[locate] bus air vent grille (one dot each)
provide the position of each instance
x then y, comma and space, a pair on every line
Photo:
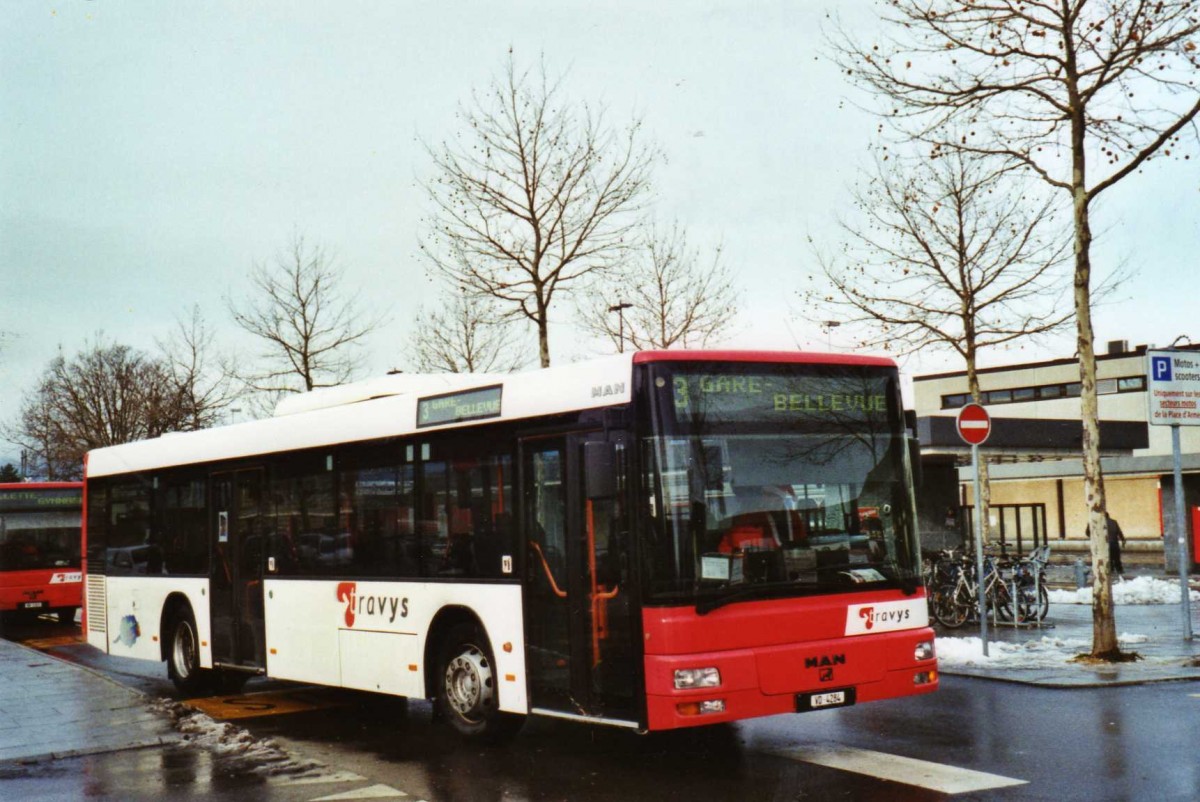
97, 604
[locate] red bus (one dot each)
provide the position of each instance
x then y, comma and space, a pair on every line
652, 541
40, 533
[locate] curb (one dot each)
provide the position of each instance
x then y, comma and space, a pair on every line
1065, 685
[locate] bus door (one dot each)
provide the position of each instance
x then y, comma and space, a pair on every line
579, 602
238, 637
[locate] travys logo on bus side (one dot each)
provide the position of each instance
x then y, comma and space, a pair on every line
370, 605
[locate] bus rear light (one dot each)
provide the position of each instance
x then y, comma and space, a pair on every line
924, 651
925, 677
701, 708
688, 678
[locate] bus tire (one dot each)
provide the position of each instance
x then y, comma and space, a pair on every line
467, 687
183, 655
66, 615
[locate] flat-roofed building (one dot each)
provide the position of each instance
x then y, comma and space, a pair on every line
1034, 457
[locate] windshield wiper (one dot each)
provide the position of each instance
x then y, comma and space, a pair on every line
750, 592
907, 579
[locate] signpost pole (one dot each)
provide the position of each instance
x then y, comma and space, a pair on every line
1173, 399
974, 427
983, 633
1181, 532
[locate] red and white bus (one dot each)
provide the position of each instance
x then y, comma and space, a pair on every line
40, 533
653, 541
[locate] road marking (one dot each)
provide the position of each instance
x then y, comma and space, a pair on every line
371, 792
318, 779
266, 703
907, 770
42, 644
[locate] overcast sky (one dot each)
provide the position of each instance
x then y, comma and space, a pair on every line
150, 153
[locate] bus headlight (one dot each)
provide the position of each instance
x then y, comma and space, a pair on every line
689, 678
924, 650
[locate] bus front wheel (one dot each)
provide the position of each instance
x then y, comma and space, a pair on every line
183, 658
467, 693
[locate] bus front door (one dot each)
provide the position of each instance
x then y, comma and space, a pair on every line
579, 605
238, 636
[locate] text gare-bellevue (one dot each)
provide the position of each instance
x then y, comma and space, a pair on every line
781, 401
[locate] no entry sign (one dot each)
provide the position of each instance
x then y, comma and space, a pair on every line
974, 424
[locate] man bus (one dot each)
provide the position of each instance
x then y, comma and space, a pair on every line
40, 535
570, 542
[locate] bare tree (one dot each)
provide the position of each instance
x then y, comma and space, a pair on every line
464, 335
105, 395
203, 381
677, 295
1080, 92
534, 195
952, 253
309, 332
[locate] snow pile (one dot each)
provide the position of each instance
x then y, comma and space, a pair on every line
1139, 590
1048, 652
263, 756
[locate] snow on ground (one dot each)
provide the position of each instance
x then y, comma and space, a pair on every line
262, 755
1047, 652
1139, 590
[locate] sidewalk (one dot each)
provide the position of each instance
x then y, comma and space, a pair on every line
1042, 656
50, 708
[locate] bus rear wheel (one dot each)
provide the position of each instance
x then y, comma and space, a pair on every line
467, 695
183, 657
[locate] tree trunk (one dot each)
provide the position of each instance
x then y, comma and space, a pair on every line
1104, 628
984, 502
543, 326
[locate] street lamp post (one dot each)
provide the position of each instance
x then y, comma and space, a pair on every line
830, 325
620, 308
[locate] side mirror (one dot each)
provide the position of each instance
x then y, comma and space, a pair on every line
600, 469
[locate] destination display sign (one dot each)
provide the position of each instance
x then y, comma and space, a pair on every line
44, 499
461, 406
759, 396
1173, 382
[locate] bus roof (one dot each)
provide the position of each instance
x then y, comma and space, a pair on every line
390, 406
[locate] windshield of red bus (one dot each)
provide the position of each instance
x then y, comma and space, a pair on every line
39, 527
775, 480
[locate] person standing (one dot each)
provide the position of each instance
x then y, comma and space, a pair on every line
1116, 539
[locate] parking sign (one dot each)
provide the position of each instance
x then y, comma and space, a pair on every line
1173, 388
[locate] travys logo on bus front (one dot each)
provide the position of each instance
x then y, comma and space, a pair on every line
375, 607
867, 619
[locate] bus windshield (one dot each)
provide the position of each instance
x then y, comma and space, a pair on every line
766, 481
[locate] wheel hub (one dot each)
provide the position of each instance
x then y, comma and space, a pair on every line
185, 651
469, 686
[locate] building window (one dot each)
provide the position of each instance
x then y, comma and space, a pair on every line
1052, 391
1131, 384
955, 401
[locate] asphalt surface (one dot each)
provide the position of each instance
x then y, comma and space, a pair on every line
51, 708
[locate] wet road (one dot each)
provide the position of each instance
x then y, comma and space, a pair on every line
975, 739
